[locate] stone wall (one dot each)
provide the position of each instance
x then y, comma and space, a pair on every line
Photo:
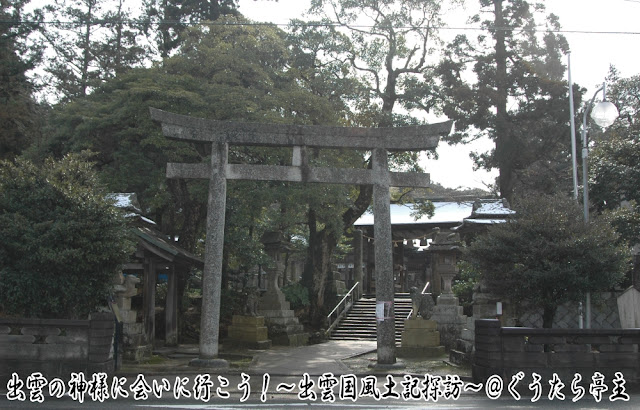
55, 347
506, 351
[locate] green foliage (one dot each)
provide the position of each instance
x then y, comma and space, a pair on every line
385, 46
547, 255
297, 295
518, 97
614, 166
61, 241
231, 303
626, 221
464, 283
168, 19
90, 43
225, 72
615, 170
17, 107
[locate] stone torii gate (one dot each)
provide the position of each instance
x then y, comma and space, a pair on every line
222, 133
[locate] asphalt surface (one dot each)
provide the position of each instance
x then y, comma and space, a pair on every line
335, 374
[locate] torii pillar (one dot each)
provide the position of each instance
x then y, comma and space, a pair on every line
212, 273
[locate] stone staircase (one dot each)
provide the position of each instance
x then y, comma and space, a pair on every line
360, 322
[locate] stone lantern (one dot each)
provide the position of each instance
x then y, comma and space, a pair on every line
284, 328
445, 249
275, 246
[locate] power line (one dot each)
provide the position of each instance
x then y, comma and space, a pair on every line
324, 24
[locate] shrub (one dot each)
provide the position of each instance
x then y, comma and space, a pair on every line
463, 285
547, 255
61, 241
297, 295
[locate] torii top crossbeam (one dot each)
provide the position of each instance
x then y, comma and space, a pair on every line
221, 134
413, 138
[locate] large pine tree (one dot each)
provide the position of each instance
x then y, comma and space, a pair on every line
89, 41
517, 95
168, 19
17, 108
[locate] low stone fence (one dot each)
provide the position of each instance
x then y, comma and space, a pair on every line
505, 351
56, 348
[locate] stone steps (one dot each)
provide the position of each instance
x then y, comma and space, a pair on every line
360, 321
459, 358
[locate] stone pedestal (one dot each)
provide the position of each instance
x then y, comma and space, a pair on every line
484, 305
420, 338
448, 314
462, 352
135, 347
445, 249
284, 328
249, 331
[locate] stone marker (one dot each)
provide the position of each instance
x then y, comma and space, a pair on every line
420, 337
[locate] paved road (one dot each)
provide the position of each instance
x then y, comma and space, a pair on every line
287, 386
285, 400
313, 359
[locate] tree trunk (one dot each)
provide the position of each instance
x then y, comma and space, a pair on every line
119, 69
86, 51
504, 141
317, 275
548, 314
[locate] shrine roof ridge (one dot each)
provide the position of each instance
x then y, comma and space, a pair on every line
411, 138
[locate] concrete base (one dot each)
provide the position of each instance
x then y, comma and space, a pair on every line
420, 351
137, 354
286, 339
419, 333
209, 363
284, 328
249, 331
395, 366
462, 353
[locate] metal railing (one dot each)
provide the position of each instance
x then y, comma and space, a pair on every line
423, 291
342, 307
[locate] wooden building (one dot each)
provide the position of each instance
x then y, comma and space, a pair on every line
413, 264
156, 256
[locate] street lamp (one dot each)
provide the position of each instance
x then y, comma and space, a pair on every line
604, 114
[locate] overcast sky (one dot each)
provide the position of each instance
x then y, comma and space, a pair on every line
600, 33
